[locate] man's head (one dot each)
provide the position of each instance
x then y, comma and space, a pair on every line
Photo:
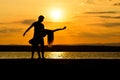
40, 18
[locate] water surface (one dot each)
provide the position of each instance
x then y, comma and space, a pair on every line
62, 55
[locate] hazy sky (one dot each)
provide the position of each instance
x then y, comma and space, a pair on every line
87, 21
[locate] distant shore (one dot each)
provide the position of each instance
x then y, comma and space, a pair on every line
65, 48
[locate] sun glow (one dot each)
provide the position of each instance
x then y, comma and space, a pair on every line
56, 15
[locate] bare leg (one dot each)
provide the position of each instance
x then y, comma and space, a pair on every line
32, 54
38, 50
33, 51
42, 45
34, 48
43, 53
38, 54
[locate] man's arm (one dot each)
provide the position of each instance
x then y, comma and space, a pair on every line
27, 30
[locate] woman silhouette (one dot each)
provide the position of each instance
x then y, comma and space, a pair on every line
39, 34
50, 34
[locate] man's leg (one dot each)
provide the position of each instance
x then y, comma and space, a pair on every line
33, 51
42, 45
34, 48
32, 54
38, 51
38, 55
37, 48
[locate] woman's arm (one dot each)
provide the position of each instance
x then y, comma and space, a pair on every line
59, 29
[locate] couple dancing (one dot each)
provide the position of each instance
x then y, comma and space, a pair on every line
39, 34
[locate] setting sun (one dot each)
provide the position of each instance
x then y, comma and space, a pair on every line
56, 15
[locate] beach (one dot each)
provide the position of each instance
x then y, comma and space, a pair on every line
82, 62
83, 55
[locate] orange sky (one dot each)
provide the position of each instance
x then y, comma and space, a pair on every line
87, 21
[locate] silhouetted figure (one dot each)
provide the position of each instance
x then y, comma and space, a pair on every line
39, 34
50, 35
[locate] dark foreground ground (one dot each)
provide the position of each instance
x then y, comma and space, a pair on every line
89, 62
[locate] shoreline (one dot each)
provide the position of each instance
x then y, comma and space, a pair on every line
65, 48
60, 61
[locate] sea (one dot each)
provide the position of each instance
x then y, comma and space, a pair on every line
62, 55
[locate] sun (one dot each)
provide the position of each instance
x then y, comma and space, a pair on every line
56, 15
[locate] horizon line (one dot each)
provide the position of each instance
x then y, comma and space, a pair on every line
63, 45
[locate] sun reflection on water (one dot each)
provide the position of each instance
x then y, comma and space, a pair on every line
56, 55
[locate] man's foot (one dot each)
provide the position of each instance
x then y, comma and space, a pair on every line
39, 58
43, 57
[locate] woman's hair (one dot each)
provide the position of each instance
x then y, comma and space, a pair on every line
50, 36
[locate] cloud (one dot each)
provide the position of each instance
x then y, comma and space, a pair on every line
1, 23
100, 35
96, 1
9, 30
107, 24
116, 4
117, 17
104, 12
87, 34
28, 21
90, 2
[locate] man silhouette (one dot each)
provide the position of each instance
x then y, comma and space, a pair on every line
37, 37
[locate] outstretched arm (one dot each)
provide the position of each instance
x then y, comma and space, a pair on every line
27, 30
59, 29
